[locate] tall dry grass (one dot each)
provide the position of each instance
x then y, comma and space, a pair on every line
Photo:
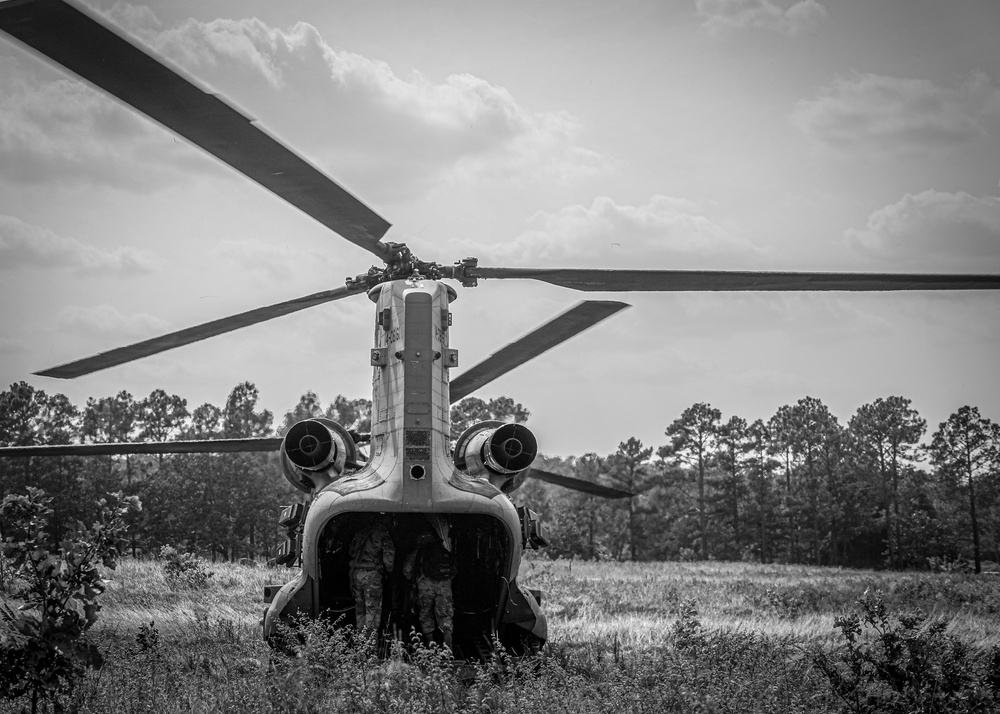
624, 637
639, 601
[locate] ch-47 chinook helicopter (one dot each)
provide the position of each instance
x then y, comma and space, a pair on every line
412, 474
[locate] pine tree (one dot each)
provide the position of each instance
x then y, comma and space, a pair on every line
966, 448
693, 439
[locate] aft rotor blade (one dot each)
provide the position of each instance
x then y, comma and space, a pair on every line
559, 329
84, 45
121, 355
711, 280
218, 446
578, 484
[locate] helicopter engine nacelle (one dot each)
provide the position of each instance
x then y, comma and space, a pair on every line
315, 452
497, 451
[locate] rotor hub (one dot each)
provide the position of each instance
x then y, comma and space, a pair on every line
402, 264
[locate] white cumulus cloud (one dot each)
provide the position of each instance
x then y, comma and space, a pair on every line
870, 113
664, 232
63, 131
720, 17
274, 262
354, 115
23, 245
934, 229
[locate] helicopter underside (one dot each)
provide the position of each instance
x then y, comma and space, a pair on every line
480, 549
489, 605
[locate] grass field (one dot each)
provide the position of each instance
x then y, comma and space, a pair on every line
653, 637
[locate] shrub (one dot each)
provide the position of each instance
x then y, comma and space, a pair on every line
907, 664
687, 630
945, 565
43, 650
7, 574
345, 670
184, 568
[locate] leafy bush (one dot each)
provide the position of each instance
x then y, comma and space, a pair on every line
7, 574
907, 664
687, 629
946, 565
43, 651
148, 638
184, 568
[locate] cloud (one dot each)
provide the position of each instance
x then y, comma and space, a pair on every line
774, 316
936, 229
274, 263
721, 17
664, 232
391, 136
357, 117
26, 246
63, 131
873, 114
106, 320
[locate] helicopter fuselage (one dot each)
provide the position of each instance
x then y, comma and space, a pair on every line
409, 475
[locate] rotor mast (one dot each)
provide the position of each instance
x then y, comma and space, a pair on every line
402, 264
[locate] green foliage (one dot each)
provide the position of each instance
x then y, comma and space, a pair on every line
580, 525
886, 433
161, 416
687, 630
958, 589
344, 670
353, 414
109, 419
907, 663
966, 449
473, 410
693, 439
148, 638
43, 650
240, 417
947, 565
214, 668
20, 414
797, 488
791, 601
184, 568
629, 469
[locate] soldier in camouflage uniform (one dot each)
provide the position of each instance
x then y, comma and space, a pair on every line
372, 555
431, 566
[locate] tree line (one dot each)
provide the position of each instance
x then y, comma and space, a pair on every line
798, 488
218, 504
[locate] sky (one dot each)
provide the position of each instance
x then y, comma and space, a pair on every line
705, 134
